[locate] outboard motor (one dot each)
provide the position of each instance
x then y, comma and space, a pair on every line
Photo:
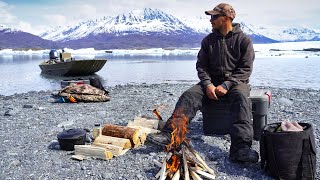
54, 54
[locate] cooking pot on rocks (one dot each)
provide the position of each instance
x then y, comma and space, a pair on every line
68, 138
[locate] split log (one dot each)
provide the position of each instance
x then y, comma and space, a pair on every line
143, 138
176, 175
194, 175
116, 150
185, 163
79, 157
163, 173
206, 167
92, 151
204, 174
148, 123
157, 163
121, 132
121, 142
146, 130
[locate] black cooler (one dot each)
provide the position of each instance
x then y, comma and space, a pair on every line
218, 116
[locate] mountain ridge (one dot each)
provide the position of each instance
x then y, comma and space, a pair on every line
148, 27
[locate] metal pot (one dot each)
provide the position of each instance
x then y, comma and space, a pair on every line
68, 138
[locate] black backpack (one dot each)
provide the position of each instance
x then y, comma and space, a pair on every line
288, 155
95, 82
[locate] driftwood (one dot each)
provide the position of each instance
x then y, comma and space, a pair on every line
122, 132
92, 151
121, 142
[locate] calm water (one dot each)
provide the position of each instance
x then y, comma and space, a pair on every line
21, 73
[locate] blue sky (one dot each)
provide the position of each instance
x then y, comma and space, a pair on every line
37, 15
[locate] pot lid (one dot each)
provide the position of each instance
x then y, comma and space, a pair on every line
71, 134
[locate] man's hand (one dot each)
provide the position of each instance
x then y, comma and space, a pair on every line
220, 91
211, 92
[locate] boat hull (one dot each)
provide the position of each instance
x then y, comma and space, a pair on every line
73, 68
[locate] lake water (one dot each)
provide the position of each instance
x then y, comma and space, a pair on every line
21, 73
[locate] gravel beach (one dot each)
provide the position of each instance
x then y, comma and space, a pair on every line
31, 121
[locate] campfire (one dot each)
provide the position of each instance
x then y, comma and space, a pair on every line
182, 161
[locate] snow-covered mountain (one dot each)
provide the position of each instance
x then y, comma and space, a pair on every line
153, 21
148, 27
13, 38
142, 22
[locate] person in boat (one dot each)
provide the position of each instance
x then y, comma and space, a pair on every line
224, 65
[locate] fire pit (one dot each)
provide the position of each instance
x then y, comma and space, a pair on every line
182, 161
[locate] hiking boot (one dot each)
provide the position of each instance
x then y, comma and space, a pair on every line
244, 154
161, 138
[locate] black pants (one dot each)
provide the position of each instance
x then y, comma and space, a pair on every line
241, 132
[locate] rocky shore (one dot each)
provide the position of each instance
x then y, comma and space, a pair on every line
30, 122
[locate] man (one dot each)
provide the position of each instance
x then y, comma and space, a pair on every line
224, 66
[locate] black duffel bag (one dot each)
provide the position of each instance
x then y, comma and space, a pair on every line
287, 154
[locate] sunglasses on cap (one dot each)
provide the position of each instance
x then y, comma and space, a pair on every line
214, 17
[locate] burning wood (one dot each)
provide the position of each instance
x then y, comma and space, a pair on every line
156, 112
182, 160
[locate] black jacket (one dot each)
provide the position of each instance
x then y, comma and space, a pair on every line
226, 59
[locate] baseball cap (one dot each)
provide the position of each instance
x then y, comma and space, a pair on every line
223, 9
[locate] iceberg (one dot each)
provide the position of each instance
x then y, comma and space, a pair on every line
284, 49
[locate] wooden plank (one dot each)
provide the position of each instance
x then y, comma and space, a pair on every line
92, 151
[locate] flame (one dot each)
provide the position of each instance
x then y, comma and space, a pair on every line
174, 165
179, 124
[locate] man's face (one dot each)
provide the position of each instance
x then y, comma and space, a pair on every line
217, 21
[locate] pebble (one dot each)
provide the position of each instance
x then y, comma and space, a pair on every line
31, 133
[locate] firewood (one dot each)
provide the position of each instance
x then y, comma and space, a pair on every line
157, 163
79, 157
185, 163
148, 123
194, 175
143, 138
163, 173
137, 144
204, 174
121, 142
157, 113
116, 150
191, 157
206, 167
158, 174
146, 130
121, 132
92, 151
176, 175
